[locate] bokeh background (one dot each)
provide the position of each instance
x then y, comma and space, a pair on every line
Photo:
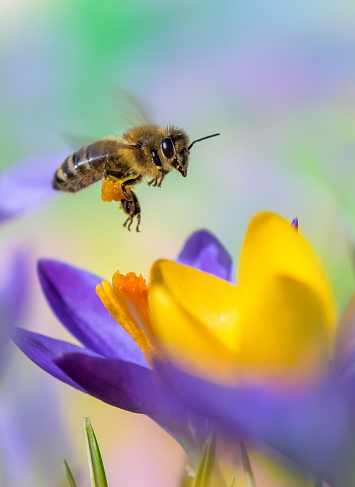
277, 79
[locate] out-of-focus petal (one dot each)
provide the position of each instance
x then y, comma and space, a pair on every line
134, 388
203, 251
273, 247
345, 339
42, 350
312, 427
71, 294
14, 289
26, 185
33, 433
195, 317
122, 384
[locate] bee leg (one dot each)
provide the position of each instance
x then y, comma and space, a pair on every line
138, 222
159, 179
161, 176
129, 221
130, 182
115, 175
132, 208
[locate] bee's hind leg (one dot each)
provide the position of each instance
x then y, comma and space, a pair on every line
113, 175
132, 208
128, 194
129, 221
138, 222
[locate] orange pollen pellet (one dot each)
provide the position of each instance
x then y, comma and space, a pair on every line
111, 190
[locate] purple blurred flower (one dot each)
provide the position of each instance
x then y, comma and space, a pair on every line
110, 366
27, 184
314, 428
13, 300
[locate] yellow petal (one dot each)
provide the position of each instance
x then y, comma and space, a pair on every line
284, 330
194, 317
273, 248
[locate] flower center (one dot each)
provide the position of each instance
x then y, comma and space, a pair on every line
133, 287
127, 301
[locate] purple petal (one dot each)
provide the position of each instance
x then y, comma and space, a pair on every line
312, 428
131, 387
122, 384
27, 184
42, 350
71, 294
204, 252
14, 291
345, 339
13, 299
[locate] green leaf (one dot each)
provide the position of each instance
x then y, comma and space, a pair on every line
318, 483
247, 467
69, 475
97, 471
205, 468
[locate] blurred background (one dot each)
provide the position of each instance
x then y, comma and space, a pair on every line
276, 79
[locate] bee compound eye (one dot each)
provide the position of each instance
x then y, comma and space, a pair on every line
167, 147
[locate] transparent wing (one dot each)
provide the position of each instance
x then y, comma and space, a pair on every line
131, 111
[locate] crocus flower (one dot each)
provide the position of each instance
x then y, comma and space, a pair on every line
263, 360
110, 365
254, 358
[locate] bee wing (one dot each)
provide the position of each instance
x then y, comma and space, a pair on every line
75, 141
131, 110
121, 143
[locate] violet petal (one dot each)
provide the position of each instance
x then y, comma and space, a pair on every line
71, 294
203, 251
27, 184
133, 388
122, 384
42, 350
312, 428
13, 299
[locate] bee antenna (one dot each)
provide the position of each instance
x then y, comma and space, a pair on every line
203, 138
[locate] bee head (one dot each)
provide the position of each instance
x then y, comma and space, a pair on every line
176, 149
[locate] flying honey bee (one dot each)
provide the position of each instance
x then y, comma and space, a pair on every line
145, 151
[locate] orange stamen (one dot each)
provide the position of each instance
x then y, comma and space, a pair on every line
134, 287
127, 302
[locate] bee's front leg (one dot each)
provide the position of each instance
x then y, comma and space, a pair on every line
161, 176
152, 182
159, 179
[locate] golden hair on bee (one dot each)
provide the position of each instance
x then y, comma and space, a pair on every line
145, 151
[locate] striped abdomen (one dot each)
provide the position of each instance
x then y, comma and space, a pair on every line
84, 167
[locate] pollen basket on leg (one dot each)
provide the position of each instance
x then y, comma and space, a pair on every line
126, 310
111, 190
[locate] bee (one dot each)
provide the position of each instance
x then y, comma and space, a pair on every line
144, 151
